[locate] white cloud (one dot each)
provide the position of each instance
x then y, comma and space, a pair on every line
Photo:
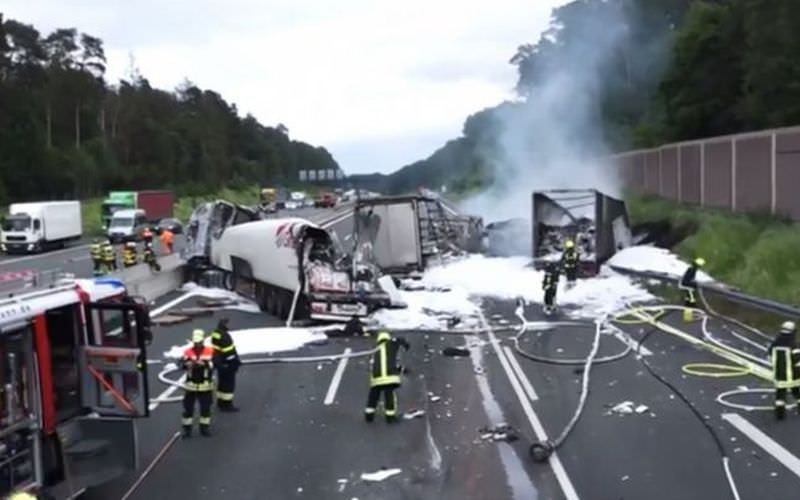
336, 73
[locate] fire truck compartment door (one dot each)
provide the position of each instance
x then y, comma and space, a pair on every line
113, 363
98, 449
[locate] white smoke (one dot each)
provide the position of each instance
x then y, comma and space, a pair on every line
552, 138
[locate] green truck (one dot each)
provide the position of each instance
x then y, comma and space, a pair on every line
157, 205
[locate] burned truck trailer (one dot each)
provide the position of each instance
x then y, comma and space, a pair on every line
401, 235
291, 267
596, 222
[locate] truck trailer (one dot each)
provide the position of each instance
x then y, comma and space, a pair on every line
596, 222
157, 205
74, 383
290, 266
33, 227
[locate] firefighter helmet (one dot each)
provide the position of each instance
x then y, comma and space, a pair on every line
699, 262
198, 336
788, 327
569, 244
22, 495
130, 244
383, 337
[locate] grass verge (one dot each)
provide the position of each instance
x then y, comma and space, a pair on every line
756, 253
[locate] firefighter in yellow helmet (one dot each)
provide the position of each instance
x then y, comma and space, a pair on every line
785, 356
385, 376
129, 257
96, 253
109, 257
569, 262
689, 286
199, 385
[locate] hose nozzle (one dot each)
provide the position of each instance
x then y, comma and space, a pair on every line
540, 452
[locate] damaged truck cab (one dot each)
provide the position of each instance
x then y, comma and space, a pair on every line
291, 267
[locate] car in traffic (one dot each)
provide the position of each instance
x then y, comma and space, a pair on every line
174, 225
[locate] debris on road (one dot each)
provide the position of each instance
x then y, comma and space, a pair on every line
500, 432
433, 398
455, 352
627, 408
379, 475
411, 414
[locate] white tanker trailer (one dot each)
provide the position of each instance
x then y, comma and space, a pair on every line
289, 266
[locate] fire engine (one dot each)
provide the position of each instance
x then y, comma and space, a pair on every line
73, 381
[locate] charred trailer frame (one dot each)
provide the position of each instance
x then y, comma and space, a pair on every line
404, 233
598, 223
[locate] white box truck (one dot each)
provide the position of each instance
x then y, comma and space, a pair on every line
37, 226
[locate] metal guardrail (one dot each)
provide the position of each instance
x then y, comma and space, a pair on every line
712, 289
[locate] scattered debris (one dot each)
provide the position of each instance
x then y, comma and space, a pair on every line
500, 432
379, 475
628, 408
455, 351
625, 478
169, 319
413, 414
773, 474
641, 409
433, 398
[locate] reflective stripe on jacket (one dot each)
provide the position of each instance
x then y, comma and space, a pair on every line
199, 369
384, 368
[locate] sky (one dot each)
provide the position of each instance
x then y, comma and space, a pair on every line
379, 83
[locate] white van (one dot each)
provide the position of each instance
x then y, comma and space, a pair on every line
127, 225
33, 227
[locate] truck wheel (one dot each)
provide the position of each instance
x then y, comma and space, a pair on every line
229, 281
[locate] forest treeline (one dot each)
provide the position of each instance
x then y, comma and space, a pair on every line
679, 69
66, 132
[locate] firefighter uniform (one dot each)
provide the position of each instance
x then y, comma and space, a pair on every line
197, 360
147, 235
569, 262
550, 286
226, 362
385, 376
785, 357
129, 257
109, 257
96, 252
689, 286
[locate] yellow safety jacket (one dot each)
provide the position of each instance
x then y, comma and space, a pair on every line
783, 369
199, 369
108, 253
129, 257
96, 251
384, 369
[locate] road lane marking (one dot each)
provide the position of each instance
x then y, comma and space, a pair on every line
554, 460
332, 222
42, 255
337, 378
526, 384
768, 444
154, 403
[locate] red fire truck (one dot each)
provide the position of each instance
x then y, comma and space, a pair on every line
73, 380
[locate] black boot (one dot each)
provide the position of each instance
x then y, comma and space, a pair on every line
369, 417
205, 431
187, 431
227, 406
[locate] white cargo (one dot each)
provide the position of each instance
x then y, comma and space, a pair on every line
32, 227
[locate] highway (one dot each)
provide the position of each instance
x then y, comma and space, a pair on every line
301, 432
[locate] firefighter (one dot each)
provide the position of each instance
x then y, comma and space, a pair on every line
550, 287
198, 363
96, 252
689, 286
227, 363
109, 257
385, 376
129, 257
785, 356
150, 257
569, 262
147, 235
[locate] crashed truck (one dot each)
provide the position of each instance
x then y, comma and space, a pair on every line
404, 235
596, 222
291, 267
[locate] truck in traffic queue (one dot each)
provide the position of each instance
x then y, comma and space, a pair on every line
289, 266
73, 383
268, 199
325, 200
127, 225
156, 204
37, 226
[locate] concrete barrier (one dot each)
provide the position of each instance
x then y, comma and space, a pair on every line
142, 281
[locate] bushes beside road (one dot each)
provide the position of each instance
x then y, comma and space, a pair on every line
758, 254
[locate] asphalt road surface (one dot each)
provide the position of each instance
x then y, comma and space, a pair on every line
301, 432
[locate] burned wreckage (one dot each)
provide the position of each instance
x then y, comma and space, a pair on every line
595, 222
296, 269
